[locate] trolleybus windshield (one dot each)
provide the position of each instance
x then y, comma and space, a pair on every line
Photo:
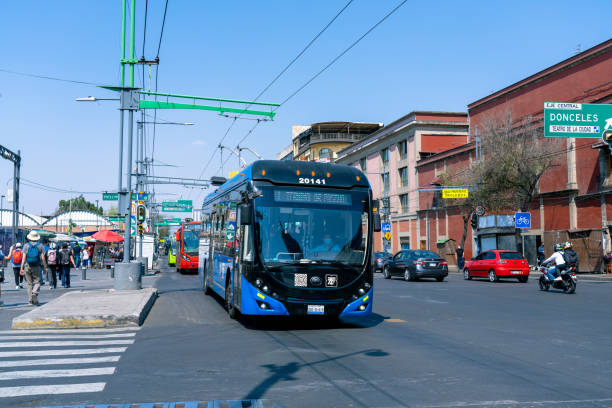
311, 225
191, 239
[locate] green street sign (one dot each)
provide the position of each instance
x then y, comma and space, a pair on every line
576, 119
167, 223
134, 196
116, 219
188, 203
176, 209
110, 196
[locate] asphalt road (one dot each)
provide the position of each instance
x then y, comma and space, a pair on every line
451, 344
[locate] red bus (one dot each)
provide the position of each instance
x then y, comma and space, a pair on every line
187, 247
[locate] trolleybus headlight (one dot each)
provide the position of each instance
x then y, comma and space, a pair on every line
258, 282
362, 307
266, 289
263, 305
367, 285
361, 291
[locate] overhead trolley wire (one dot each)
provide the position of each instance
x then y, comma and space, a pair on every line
274, 81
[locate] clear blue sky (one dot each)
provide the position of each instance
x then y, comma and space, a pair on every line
427, 56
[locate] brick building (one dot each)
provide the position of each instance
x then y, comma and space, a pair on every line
575, 196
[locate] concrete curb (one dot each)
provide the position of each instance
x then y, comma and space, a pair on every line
91, 309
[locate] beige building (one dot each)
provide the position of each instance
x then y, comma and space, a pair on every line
322, 141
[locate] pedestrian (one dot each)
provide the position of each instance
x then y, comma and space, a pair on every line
15, 255
76, 253
460, 260
66, 258
541, 254
33, 257
45, 245
53, 266
85, 257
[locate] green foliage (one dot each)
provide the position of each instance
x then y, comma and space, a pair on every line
77, 203
113, 211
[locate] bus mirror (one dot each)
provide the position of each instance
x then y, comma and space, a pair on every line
377, 224
246, 214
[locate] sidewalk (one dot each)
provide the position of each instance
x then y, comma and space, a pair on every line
596, 277
88, 303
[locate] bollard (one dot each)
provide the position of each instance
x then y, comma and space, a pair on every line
112, 271
83, 274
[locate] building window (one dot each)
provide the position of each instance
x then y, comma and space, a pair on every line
403, 176
402, 147
404, 203
385, 183
325, 154
363, 163
384, 156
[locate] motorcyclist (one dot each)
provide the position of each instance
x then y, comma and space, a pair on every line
570, 256
554, 271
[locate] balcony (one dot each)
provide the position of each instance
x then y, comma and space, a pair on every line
314, 138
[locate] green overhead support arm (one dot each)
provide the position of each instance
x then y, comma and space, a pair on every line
146, 104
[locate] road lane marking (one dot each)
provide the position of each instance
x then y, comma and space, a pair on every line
395, 321
65, 343
67, 336
75, 372
59, 361
82, 331
67, 352
51, 389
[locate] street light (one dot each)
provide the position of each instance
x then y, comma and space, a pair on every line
94, 99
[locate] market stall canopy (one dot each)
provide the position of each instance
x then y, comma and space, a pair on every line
44, 234
64, 238
107, 236
89, 240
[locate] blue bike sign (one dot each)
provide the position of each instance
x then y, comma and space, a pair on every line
522, 220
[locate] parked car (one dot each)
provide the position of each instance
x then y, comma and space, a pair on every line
495, 264
380, 258
412, 264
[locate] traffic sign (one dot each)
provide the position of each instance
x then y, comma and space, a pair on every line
176, 209
576, 119
479, 210
386, 226
116, 219
522, 220
388, 236
110, 196
454, 193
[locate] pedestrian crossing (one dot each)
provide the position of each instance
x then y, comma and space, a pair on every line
45, 362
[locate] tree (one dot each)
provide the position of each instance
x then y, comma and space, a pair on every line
112, 211
515, 157
78, 203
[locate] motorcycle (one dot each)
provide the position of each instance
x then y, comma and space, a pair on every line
567, 283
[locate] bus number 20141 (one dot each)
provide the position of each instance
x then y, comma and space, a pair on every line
305, 180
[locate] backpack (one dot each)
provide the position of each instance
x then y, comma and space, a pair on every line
52, 257
570, 257
33, 254
17, 256
65, 256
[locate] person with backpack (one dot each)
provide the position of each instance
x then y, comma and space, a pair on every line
65, 259
33, 257
53, 266
15, 255
76, 253
570, 256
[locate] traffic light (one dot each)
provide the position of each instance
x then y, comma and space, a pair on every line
474, 221
188, 219
141, 214
607, 137
140, 229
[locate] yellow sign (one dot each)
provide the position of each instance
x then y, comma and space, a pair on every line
388, 236
233, 173
454, 193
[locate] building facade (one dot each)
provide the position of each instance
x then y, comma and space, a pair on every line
389, 157
322, 141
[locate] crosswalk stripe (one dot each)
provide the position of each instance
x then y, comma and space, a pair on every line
51, 389
59, 361
76, 372
68, 336
65, 352
84, 331
65, 343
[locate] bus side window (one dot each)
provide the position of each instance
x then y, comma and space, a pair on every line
247, 244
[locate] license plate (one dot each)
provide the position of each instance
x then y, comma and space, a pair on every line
316, 309
515, 272
432, 264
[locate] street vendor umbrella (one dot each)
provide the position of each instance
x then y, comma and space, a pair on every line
44, 234
89, 240
63, 238
107, 236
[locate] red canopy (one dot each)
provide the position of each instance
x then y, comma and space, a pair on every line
107, 236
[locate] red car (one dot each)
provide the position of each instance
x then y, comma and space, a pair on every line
497, 264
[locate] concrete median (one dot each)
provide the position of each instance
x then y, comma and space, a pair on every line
92, 308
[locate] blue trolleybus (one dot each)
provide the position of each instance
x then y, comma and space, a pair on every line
290, 238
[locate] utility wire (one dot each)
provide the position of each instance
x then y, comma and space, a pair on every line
273, 81
8, 71
161, 34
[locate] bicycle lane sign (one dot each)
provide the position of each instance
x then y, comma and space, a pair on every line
522, 220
